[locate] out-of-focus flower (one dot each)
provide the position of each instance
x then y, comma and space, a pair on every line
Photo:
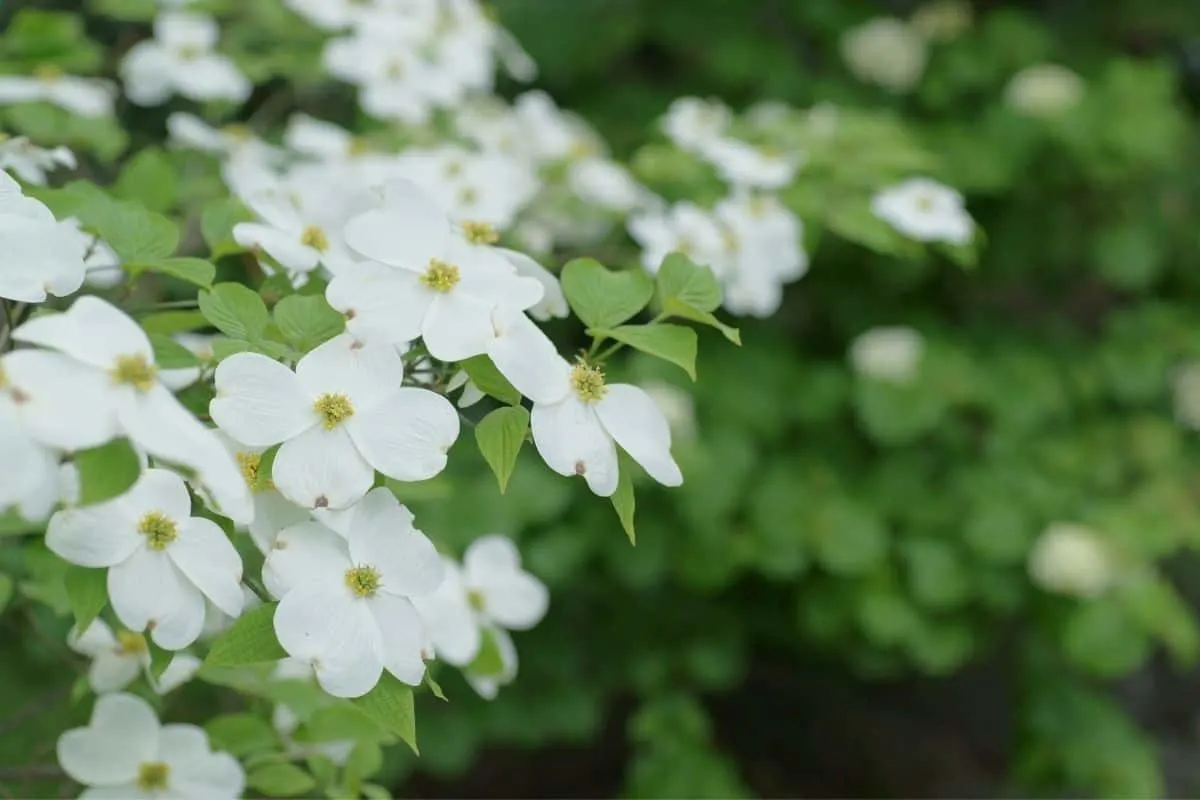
942, 20
1043, 90
925, 210
1071, 559
888, 354
887, 52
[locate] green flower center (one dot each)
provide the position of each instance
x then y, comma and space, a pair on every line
588, 382
152, 776
315, 238
130, 643
924, 203
363, 580
189, 52
475, 599
440, 276
159, 529
135, 370
335, 408
480, 233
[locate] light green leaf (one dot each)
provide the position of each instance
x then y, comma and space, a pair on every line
343, 721
307, 321
169, 322
489, 662
603, 298
241, 734
623, 500
196, 271
106, 471
684, 282
434, 687
134, 10
250, 640
280, 780
216, 225
487, 378
170, 354
149, 179
87, 591
390, 704
224, 348
235, 310
673, 343
13, 524
136, 234
365, 760
501, 435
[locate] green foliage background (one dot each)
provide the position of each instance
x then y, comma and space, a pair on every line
829, 524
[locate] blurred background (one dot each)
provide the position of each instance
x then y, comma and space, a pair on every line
977, 581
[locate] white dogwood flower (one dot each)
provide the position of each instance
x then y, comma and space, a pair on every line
693, 123
35, 260
272, 511
87, 97
181, 59
743, 165
925, 210
162, 562
345, 605
578, 419
686, 228
890, 354
887, 52
30, 162
118, 658
429, 282
125, 753
1073, 560
340, 416
108, 348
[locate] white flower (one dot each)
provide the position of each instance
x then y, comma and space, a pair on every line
1043, 90
125, 753
764, 238
1071, 559
550, 133
1186, 386
744, 166
925, 210
36, 259
188, 130
183, 668
942, 20
693, 123
340, 416
345, 604
272, 511
479, 187
605, 183
162, 562
321, 139
87, 97
489, 591
888, 354
101, 261
887, 52
181, 59
578, 420
107, 350
431, 282
117, 660
676, 405
30, 162
332, 15
686, 228
553, 303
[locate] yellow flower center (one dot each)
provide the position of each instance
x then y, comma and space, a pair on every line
359, 146
250, 463
363, 580
588, 382
159, 530
453, 169
135, 370
475, 599
239, 133
480, 233
3, 377
130, 643
440, 276
152, 776
335, 408
189, 52
924, 203
48, 73
315, 238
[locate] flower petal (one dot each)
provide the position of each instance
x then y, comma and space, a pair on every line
64, 404
179, 671
457, 326
336, 633
158, 490
122, 734
148, 591
406, 232
308, 554
113, 671
449, 619
380, 303
259, 401
407, 436
96, 638
283, 246
513, 598
91, 330
527, 357
206, 556
364, 373
272, 513
382, 535
571, 441
632, 418
102, 535
402, 635
322, 469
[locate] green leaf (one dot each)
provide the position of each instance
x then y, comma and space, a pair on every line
196, 271
241, 734
13, 524
6, 593
250, 640
216, 225
487, 378
280, 780
266, 463
343, 721
489, 662
235, 310
365, 760
623, 500
684, 282
601, 297
106, 471
434, 687
136, 234
148, 178
501, 435
160, 659
87, 591
170, 354
169, 322
307, 321
390, 704
673, 343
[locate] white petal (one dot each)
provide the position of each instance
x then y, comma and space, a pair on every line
407, 232
122, 734
113, 671
633, 419
553, 302
37, 261
102, 535
527, 358
364, 373
158, 423
206, 556
97, 638
272, 513
406, 437
322, 469
283, 246
402, 635
383, 536
449, 620
182, 669
216, 775
571, 441
158, 490
308, 554
381, 303
259, 401
92, 331
124, 791
457, 326
212, 77
65, 404
148, 590
337, 634
513, 598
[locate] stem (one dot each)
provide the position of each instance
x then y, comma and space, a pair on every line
260, 591
12, 318
168, 306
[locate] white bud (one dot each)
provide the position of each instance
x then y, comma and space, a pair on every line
888, 354
885, 51
1043, 90
1071, 559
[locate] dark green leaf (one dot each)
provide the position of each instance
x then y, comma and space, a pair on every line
390, 704
241, 734
170, 354
235, 310
216, 225
169, 322
307, 320
148, 178
623, 500
87, 590
684, 282
196, 271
